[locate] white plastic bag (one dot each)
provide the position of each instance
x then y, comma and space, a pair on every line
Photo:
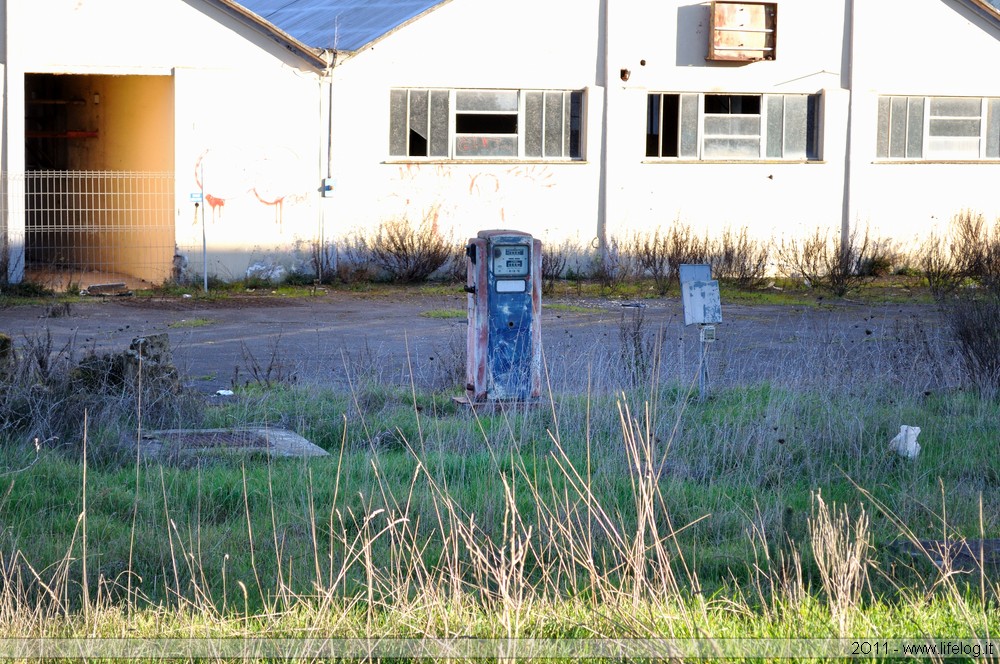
905, 443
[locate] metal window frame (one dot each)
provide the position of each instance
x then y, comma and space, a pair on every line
566, 104
761, 134
701, 134
982, 118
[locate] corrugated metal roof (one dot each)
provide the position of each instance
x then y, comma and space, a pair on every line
341, 25
988, 8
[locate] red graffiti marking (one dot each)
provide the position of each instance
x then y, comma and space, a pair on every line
474, 182
278, 203
540, 175
215, 203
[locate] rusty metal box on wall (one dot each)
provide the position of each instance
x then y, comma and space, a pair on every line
743, 31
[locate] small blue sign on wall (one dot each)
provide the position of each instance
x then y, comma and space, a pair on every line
195, 196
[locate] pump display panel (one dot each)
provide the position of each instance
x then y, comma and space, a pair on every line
510, 260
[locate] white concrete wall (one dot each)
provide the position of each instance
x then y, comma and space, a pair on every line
896, 49
925, 48
517, 44
771, 198
250, 119
561, 45
246, 112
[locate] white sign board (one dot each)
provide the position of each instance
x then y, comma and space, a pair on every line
695, 273
702, 305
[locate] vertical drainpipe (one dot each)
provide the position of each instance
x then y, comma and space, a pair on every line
12, 235
327, 167
847, 78
602, 195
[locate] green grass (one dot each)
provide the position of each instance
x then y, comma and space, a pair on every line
642, 513
238, 537
570, 308
444, 313
190, 322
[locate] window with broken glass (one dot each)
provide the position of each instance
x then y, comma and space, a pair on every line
938, 128
704, 126
486, 124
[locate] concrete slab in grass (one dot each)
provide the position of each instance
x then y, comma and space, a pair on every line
170, 444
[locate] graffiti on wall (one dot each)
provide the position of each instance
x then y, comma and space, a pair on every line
266, 176
447, 191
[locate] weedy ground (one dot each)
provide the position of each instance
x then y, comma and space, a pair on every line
625, 507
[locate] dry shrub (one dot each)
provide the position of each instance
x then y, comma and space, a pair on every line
404, 252
685, 248
554, 261
975, 321
639, 353
323, 258
45, 390
617, 265
937, 265
973, 313
456, 268
661, 254
969, 252
355, 262
827, 262
739, 259
962, 269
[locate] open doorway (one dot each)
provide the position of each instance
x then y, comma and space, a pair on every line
99, 179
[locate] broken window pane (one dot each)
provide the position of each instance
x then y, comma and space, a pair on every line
419, 129
732, 104
485, 123
653, 125
575, 125
813, 128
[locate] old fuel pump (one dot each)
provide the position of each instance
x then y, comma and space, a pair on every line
504, 283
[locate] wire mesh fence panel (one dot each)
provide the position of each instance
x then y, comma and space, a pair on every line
103, 225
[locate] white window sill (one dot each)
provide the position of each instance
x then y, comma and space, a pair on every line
439, 161
734, 161
881, 162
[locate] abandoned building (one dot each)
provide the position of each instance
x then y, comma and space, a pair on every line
148, 139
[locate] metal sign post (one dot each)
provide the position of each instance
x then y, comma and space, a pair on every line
702, 307
204, 239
